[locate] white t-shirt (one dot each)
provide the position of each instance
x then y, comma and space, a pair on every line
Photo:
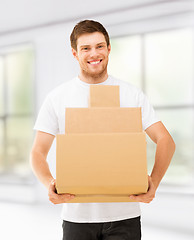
51, 119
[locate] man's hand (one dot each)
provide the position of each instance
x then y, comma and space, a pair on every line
146, 197
58, 198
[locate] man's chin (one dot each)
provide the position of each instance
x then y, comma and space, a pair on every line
95, 74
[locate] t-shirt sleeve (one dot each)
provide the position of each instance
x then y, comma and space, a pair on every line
148, 114
47, 118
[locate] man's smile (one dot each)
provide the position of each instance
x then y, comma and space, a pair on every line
95, 62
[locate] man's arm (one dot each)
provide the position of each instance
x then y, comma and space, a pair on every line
38, 156
164, 153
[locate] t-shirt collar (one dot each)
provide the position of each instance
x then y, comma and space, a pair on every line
82, 83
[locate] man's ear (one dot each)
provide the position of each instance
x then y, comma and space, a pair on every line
109, 48
74, 52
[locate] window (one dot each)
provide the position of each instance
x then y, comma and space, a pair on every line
16, 110
125, 59
164, 64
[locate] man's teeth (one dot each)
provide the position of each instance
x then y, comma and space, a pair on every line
96, 62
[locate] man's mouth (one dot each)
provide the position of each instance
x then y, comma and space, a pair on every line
95, 62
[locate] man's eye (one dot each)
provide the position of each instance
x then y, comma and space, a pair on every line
100, 46
85, 49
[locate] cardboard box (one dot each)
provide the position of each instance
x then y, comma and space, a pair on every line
100, 199
103, 120
104, 96
102, 156
101, 167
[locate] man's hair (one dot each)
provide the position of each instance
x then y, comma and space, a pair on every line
87, 26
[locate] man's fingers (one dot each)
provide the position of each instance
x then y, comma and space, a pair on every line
137, 198
68, 197
58, 198
141, 198
146, 197
61, 198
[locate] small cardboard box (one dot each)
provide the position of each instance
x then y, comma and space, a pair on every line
103, 120
104, 96
104, 167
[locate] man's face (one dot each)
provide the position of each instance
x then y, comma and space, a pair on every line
92, 54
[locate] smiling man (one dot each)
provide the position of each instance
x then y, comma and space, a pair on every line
92, 54
96, 221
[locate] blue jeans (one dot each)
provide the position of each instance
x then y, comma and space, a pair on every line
129, 229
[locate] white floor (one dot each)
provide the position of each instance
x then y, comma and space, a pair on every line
42, 222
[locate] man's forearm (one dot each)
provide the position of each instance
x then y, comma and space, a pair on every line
40, 168
164, 152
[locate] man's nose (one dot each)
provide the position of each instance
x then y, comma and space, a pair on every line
93, 52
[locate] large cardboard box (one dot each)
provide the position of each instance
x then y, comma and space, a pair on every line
104, 96
104, 167
103, 120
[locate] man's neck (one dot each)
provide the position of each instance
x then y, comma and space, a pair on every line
93, 79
